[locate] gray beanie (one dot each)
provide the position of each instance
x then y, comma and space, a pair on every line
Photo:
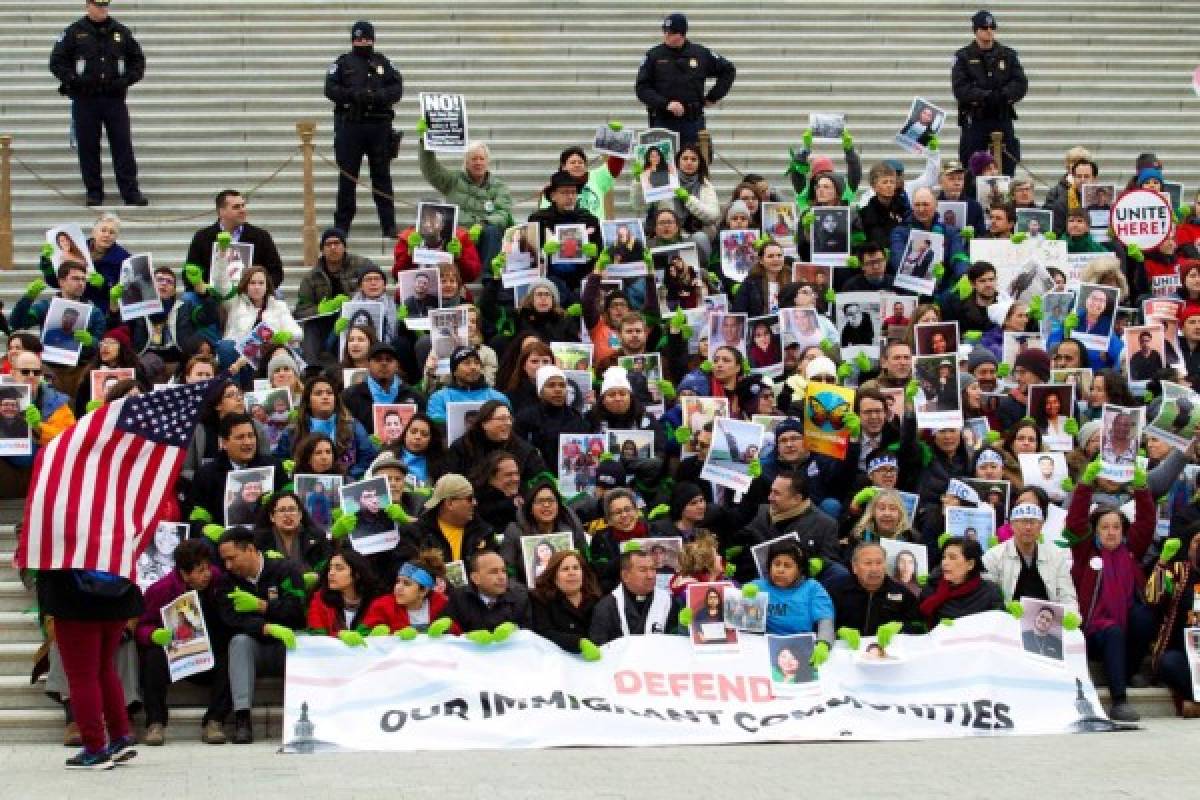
737, 207
980, 356
282, 358
542, 283
1088, 430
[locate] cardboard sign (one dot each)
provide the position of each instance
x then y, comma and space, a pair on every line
446, 116
1141, 217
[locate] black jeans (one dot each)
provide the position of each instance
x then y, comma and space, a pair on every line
352, 141
90, 115
156, 680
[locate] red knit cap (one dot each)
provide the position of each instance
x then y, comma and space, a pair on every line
120, 335
820, 164
1188, 309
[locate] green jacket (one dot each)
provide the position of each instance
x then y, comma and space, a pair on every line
489, 204
1085, 244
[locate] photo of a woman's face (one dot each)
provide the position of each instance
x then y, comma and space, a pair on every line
906, 567
1096, 303
762, 336
787, 662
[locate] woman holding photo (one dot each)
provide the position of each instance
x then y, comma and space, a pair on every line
807, 295
254, 304
563, 599
541, 513
321, 411
698, 211
1107, 551
799, 604
360, 339
492, 432
114, 352
759, 294
421, 448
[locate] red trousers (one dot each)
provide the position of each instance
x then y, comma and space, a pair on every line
97, 699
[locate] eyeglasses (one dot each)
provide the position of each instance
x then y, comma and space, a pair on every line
29, 371
283, 510
623, 512
545, 501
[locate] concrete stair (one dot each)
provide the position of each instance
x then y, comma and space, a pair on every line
227, 81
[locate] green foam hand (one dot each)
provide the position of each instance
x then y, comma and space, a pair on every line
827, 345
454, 248
1135, 253
481, 638
1091, 472
283, 634
939, 271
853, 262
401, 312
1070, 323
808, 219
683, 434
1169, 550
853, 424
603, 261
910, 390
816, 566
963, 288
503, 631
1071, 427
1015, 609
730, 570
575, 310
352, 639
667, 389
750, 591
682, 195
344, 525
192, 273
991, 437
864, 496
95, 279
706, 366
1141, 478
474, 232
243, 601
84, 338
945, 537
968, 232
379, 630
415, 239
282, 337
590, 250
615, 125
47, 251
885, 633
498, 265
589, 651
1050, 236
376, 440
1035, 308
341, 325
850, 636
820, 654
212, 532
550, 248
273, 554
807, 138
92, 405
1018, 237
224, 239
311, 579
685, 617
1067, 485
754, 468
847, 140
1003, 371
1072, 621
934, 143
844, 369
407, 634
161, 637
422, 127
35, 287
946, 623
862, 362
439, 627
396, 513
972, 336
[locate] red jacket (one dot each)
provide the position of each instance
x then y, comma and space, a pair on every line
1137, 541
467, 261
324, 617
386, 611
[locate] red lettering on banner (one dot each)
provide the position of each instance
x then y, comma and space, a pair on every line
655, 684
698, 685
627, 682
703, 685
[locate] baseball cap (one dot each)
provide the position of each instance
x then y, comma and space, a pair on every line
675, 23
450, 486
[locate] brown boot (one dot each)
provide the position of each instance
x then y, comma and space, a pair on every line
71, 736
214, 733
156, 735
1190, 710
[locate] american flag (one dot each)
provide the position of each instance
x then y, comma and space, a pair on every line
98, 488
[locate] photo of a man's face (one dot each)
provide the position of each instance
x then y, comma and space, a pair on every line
1043, 623
70, 318
369, 501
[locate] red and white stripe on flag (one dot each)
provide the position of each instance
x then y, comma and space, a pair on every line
98, 488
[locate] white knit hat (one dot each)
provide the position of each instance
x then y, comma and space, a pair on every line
615, 378
545, 373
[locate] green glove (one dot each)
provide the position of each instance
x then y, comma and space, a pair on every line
95, 279
991, 437
352, 639
754, 468
603, 261
1168, 584
590, 250
344, 525
938, 271
422, 126
341, 325
550, 248
922, 580
1170, 548
1070, 323
415, 239
750, 591
862, 362
193, 273
730, 571
480, 637
947, 623
589, 651
682, 195
115, 293
850, 636
808, 219
847, 140
1014, 608
275, 555
1091, 471
1035, 308
35, 287
439, 627
815, 566
498, 265
844, 370
660, 510
503, 631
910, 389
886, 632
706, 366
972, 336
963, 287
47, 251
808, 138
685, 617
282, 337
636, 168
200, 515
575, 310
281, 633
968, 232
161, 637
1071, 426
615, 125
683, 434
827, 345
1004, 370
852, 262
853, 424
820, 654
212, 532
865, 496
1017, 238
84, 338
1050, 236
376, 440
311, 579
401, 312
1067, 484
1135, 253
1140, 478
224, 239
407, 634
667, 389
243, 601
474, 232
454, 248
934, 143
396, 513
942, 539
1072, 621
380, 630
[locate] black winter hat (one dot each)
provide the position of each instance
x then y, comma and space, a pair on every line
362, 30
683, 493
983, 19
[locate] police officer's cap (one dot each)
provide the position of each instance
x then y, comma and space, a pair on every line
362, 30
983, 19
675, 23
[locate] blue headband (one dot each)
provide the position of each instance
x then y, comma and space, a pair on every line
417, 575
879, 462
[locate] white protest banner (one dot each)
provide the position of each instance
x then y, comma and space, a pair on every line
972, 679
1022, 269
1142, 217
446, 117
189, 650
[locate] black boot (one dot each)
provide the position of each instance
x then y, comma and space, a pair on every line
243, 728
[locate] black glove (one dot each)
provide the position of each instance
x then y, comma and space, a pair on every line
997, 101
364, 98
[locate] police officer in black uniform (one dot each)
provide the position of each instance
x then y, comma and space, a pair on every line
988, 82
364, 86
96, 60
670, 82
